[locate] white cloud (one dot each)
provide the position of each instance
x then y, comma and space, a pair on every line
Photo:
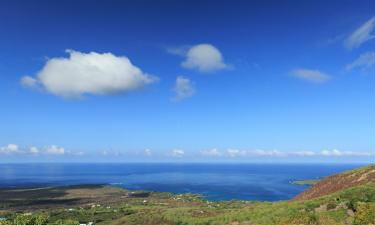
339, 153
147, 152
55, 150
89, 73
34, 150
304, 153
9, 149
243, 154
235, 153
211, 152
364, 61
178, 153
361, 35
183, 88
28, 81
254, 153
314, 76
13, 149
202, 57
272, 153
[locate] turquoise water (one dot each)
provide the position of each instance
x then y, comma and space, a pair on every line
215, 181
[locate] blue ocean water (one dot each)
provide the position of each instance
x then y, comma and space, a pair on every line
268, 182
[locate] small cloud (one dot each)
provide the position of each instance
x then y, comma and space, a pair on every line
211, 152
304, 153
104, 153
180, 51
205, 58
235, 153
29, 82
89, 73
77, 153
55, 150
183, 88
111, 153
177, 153
34, 150
147, 152
9, 149
314, 76
364, 61
361, 35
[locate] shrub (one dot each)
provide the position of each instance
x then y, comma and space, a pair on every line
365, 214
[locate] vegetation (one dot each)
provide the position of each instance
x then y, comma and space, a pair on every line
304, 182
355, 205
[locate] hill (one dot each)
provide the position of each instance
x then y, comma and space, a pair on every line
339, 182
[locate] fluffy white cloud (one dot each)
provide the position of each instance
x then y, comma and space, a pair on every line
361, 35
211, 152
55, 150
364, 61
183, 88
9, 149
314, 76
89, 73
178, 153
202, 57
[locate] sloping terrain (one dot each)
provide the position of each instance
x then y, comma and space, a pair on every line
339, 182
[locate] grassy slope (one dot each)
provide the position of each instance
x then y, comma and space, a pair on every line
353, 205
339, 182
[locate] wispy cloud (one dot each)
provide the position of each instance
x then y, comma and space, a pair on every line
180, 51
364, 61
211, 152
237, 153
361, 35
147, 152
177, 153
314, 76
183, 88
14, 149
88, 73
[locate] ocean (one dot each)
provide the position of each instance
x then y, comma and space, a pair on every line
264, 182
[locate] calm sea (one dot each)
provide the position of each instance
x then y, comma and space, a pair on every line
215, 181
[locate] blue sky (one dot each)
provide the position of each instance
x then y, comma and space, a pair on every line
187, 80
